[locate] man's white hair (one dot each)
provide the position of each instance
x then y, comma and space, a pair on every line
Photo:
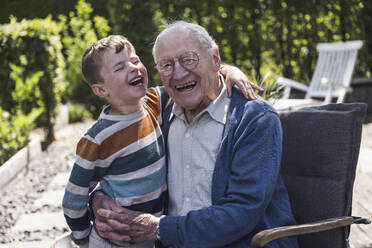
196, 30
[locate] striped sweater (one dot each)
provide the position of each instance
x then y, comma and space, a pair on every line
125, 155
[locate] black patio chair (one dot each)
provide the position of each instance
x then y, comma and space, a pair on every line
320, 153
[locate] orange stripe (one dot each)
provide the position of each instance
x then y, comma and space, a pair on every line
87, 149
127, 136
153, 101
92, 151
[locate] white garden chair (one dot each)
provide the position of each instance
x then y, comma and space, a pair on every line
331, 78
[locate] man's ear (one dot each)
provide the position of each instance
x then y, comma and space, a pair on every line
99, 90
216, 59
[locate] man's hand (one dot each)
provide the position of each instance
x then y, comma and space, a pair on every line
142, 227
122, 226
234, 76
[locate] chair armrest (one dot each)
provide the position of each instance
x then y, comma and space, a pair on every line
291, 83
325, 81
262, 238
288, 84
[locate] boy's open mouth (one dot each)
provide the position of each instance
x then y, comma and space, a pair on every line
136, 81
186, 86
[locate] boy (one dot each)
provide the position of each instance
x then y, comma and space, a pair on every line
124, 149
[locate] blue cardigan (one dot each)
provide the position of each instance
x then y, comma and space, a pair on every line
248, 194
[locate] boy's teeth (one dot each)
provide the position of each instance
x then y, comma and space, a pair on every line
136, 82
191, 83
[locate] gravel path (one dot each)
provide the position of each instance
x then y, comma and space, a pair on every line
18, 197
367, 136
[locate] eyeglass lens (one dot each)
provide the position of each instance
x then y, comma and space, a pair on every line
188, 60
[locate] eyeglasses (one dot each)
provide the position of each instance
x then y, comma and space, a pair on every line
188, 60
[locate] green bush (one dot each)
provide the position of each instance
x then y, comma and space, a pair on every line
77, 113
33, 73
80, 30
14, 132
31, 70
272, 90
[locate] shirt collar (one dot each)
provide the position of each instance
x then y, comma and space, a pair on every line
217, 109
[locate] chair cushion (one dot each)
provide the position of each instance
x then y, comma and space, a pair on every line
320, 153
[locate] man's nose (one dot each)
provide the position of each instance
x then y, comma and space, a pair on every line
179, 71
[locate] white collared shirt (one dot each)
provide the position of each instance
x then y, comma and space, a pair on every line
193, 149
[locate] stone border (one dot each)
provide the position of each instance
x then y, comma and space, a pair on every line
19, 161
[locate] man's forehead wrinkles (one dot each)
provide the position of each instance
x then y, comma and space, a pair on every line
178, 40
166, 54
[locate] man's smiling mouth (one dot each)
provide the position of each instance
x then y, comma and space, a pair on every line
136, 81
186, 86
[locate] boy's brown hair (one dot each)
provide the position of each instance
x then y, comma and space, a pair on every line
92, 59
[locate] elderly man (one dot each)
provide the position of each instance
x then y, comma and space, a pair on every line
223, 157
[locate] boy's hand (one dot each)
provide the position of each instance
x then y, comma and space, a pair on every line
142, 226
234, 76
111, 224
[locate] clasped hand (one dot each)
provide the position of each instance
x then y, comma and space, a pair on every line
122, 226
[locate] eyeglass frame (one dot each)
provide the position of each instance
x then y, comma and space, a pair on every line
166, 73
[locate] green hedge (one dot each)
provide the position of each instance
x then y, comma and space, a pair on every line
40, 66
79, 30
31, 69
14, 132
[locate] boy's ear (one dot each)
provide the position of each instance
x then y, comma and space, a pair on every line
99, 90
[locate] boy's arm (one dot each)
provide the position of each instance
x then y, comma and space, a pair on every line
75, 210
234, 76
75, 199
158, 99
